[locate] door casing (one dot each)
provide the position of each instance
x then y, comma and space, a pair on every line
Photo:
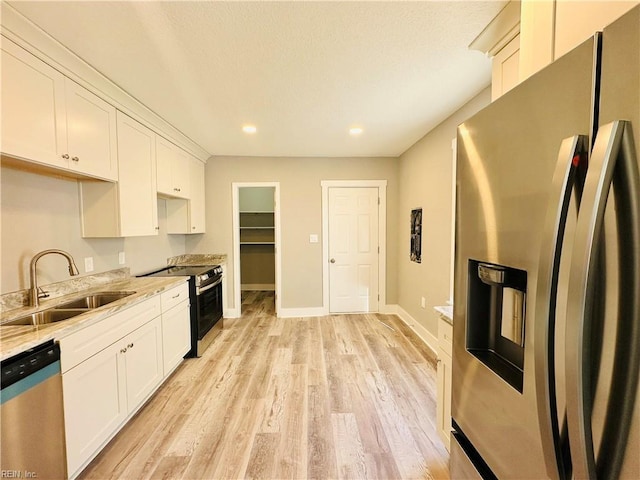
381, 185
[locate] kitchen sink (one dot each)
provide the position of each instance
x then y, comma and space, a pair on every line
69, 309
47, 316
94, 300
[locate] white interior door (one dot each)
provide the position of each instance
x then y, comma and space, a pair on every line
353, 249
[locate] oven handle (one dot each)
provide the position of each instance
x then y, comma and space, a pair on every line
209, 287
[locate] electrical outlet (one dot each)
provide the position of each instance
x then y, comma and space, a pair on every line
121, 258
88, 264
423, 302
313, 238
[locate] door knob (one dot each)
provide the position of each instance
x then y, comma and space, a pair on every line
333, 260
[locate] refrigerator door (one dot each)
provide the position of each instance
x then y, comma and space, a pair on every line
603, 313
507, 157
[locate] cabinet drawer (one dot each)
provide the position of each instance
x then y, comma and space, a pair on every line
81, 345
445, 336
173, 297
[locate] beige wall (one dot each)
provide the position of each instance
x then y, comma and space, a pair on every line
301, 215
41, 212
425, 178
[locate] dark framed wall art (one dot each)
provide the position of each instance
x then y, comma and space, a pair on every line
416, 235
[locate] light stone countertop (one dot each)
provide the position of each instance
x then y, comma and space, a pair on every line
446, 312
18, 338
198, 259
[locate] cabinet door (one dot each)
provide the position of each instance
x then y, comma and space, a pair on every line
173, 169
91, 133
444, 397
176, 336
95, 404
142, 352
196, 205
33, 108
137, 194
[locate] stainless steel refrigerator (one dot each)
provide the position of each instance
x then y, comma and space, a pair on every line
546, 348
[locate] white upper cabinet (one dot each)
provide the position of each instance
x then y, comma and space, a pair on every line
196, 206
50, 120
551, 28
187, 216
129, 207
575, 21
91, 133
33, 108
173, 169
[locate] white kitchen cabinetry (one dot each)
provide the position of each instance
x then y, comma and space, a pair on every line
108, 370
576, 21
95, 404
91, 133
445, 338
551, 28
173, 165
52, 121
129, 207
196, 206
187, 216
176, 326
505, 69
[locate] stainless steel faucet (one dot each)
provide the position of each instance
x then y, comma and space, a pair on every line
33, 282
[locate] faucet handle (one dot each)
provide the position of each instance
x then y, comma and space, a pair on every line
42, 293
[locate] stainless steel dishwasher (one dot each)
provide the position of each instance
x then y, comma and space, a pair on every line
32, 433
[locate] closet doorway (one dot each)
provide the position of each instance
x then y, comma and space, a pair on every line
256, 231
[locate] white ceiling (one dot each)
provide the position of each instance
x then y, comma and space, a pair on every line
302, 72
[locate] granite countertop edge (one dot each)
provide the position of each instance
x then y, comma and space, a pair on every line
18, 338
446, 312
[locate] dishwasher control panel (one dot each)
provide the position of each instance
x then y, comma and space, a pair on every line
22, 365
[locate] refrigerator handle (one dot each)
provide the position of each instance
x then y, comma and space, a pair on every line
572, 159
613, 161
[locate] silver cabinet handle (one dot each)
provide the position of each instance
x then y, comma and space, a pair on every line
75, 159
333, 260
65, 156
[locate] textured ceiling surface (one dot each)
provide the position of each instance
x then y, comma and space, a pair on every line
302, 72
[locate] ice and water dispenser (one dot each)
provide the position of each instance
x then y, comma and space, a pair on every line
496, 308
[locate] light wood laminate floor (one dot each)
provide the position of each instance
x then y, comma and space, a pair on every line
335, 397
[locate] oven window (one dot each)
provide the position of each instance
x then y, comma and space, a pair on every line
209, 309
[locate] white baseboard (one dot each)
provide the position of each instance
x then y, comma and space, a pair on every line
254, 287
425, 335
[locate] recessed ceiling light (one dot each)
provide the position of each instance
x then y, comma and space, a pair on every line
249, 129
355, 131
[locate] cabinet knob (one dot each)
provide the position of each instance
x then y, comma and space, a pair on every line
193, 228
333, 260
75, 159
65, 156
157, 228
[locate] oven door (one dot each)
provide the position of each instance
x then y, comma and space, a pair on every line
209, 306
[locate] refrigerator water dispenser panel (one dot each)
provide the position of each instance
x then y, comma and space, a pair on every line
496, 318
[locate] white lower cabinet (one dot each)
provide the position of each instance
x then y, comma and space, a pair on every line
445, 337
95, 404
110, 368
176, 327
142, 353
